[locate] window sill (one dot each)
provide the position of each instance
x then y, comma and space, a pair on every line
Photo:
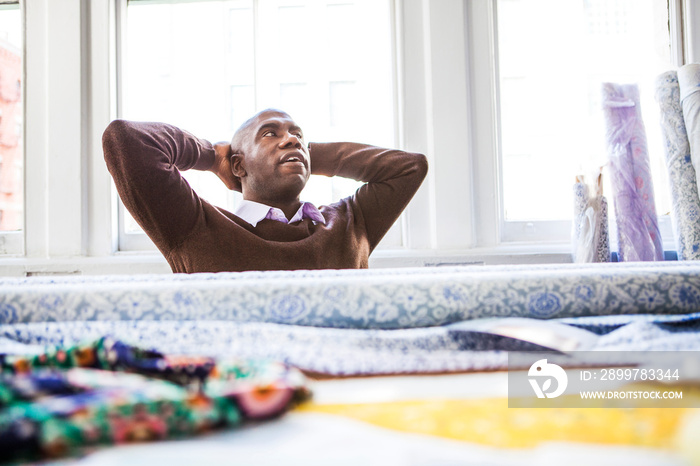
118, 264
147, 262
511, 254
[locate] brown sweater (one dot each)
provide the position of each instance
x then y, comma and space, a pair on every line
145, 160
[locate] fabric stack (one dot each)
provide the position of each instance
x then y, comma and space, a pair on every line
109, 392
678, 96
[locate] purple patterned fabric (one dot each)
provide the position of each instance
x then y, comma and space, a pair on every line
638, 233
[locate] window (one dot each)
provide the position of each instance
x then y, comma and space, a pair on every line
11, 112
551, 117
550, 59
448, 87
241, 56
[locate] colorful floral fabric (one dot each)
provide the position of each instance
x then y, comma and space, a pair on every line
111, 392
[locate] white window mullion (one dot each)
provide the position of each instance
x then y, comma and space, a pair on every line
102, 235
450, 120
319, 82
483, 85
420, 220
436, 118
691, 30
264, 88
36, 127
675, 24
65, 132
55, 169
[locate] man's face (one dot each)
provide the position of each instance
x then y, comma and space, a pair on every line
276, 160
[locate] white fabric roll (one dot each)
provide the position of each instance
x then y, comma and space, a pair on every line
682, 175
689, 83
590, 238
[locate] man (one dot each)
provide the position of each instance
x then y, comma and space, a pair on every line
269, 162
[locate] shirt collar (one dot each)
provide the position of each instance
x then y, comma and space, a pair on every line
254, 212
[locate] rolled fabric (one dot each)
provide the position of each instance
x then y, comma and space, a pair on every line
681, 173
603, 251
639, 238
689, 87
580, 204
590, 227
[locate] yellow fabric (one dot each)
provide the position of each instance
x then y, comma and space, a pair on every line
491, 422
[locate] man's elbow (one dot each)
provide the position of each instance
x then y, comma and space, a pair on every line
420, 162
114, 132
118, 136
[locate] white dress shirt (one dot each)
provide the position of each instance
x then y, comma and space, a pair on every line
253, 212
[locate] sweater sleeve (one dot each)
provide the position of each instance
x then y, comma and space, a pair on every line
391, 179
145, 160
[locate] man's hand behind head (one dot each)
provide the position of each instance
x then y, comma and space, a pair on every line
222, 166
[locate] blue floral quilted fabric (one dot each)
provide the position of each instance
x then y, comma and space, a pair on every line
369, 299
681, 173
342, 352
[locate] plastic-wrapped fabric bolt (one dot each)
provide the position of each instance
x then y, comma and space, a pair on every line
681, 173
590, 227
580, 204
639, 238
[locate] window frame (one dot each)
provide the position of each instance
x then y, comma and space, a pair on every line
12, 242
68, 101
69, 97
55, 140
493, 230
138, 241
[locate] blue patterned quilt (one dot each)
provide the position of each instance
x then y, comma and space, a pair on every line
358, 321
368, 299
449, 348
